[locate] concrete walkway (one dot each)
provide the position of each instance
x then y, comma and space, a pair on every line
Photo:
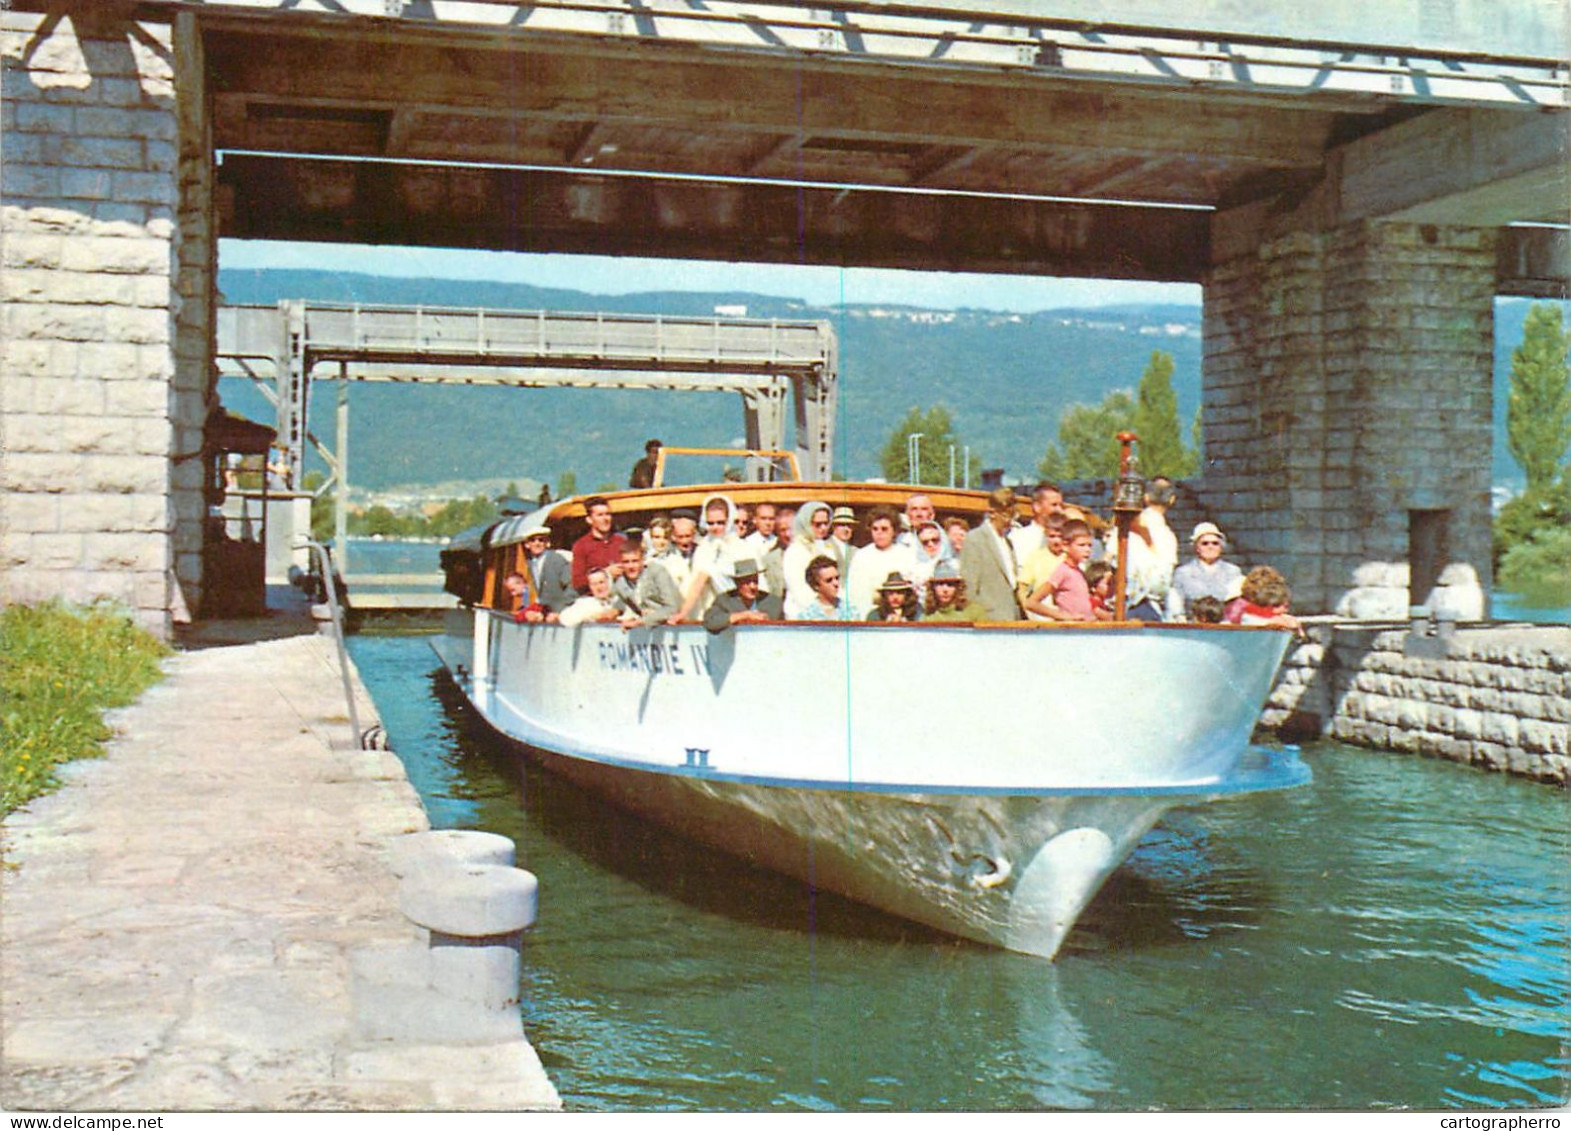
177, 922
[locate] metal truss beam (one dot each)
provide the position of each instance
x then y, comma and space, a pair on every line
1009, 36
758, 358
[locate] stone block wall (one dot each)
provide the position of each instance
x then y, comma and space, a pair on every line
1497, 698
95, 403
1347, 384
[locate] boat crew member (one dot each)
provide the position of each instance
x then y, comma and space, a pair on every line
596, 606
644, 470
547, 572
827, 604
988, 561
744, 603
600, 548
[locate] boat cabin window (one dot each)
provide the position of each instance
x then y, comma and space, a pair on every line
500, 561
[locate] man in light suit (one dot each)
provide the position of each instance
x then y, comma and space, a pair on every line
548, 574
987, 561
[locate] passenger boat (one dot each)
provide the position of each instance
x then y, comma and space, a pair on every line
981, 779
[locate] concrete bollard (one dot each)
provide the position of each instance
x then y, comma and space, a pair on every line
476, 914
410, 853
470, 901
461, 887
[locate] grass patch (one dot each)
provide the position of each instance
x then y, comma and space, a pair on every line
61, 668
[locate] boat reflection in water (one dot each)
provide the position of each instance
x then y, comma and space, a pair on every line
981, 779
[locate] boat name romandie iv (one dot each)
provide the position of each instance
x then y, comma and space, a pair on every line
653, 659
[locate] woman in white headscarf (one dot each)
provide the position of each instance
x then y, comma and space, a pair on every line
713, 559
932, 547
809, 539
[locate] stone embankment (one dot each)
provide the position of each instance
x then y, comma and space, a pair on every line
1498, 697
206, 917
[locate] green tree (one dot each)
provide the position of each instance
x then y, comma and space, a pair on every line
380, 520
1087, 445
1538, 413
566, 484
461, 514
1162, 449
936, 428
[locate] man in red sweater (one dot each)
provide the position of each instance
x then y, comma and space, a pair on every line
601, 548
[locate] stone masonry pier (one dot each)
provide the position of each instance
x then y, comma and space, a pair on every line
183, 918
1494, 697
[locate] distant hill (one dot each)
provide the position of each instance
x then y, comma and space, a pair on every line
1006, 378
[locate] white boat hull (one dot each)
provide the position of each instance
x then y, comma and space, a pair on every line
982, 781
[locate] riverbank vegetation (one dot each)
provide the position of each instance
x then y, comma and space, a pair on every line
1532, 534
1087, 445
439, 521
941, 457
61, 668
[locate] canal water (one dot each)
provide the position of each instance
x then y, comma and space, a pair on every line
1394, 935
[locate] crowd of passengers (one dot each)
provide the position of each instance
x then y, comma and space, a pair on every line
730, 564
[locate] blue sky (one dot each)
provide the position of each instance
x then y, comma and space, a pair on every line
601, 274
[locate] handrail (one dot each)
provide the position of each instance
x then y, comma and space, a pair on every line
324, 567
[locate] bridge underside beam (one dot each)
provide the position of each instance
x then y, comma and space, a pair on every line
546, 211
1460, 167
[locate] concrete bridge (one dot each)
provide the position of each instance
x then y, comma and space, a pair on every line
1352, 184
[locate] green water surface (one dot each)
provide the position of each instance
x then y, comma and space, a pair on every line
1394, 935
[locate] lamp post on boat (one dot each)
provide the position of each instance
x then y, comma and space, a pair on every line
914, 455
1128, 501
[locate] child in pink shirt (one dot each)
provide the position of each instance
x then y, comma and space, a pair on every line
1071, 596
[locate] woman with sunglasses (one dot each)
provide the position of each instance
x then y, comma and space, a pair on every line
931, 548
1204, 575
